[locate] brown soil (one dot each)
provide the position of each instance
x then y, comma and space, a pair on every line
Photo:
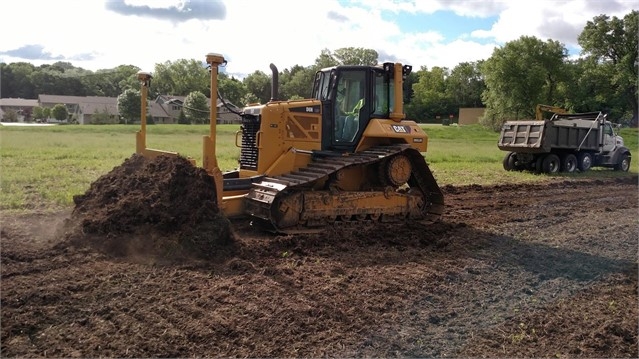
165, 207
148, 268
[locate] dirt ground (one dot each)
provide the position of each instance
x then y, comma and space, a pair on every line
534, 270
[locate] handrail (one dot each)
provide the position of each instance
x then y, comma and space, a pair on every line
587, 133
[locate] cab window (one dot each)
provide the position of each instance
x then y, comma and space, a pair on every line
321, 85
350, 98
608, 130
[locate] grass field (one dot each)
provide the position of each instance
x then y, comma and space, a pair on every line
42, 168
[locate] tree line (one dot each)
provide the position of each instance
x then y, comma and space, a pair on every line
509, 84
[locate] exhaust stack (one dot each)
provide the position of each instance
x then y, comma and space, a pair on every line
274, 83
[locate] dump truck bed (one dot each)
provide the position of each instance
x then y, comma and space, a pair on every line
562, 131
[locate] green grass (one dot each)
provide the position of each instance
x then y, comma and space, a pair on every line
42, 168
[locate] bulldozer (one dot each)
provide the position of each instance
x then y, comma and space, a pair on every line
345, 156
540, 109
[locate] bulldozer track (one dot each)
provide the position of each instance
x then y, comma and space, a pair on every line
284, 203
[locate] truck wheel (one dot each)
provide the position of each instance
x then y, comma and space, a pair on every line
624, 163
568, 163
509, 161
584, 161
550, 164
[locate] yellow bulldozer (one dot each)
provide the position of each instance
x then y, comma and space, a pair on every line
541, 109
346, 156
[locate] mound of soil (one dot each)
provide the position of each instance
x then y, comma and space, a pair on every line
164, 206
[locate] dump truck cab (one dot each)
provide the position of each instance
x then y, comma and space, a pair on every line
611, 139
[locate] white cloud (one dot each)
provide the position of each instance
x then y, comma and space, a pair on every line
561, 20
255, 33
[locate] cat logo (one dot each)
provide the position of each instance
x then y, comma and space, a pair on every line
400, 129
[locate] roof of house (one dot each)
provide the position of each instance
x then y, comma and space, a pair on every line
95, 104
156, 110
77, 99
167, 98
18, 102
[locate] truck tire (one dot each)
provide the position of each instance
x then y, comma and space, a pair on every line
624, 163
509, 161
568, 163
584, 161
550, 164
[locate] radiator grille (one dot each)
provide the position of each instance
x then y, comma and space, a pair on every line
249, 152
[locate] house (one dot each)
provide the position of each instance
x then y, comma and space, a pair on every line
174, 104
98, 110
226, 115
85, 109
160, 114
164, 109
23, 108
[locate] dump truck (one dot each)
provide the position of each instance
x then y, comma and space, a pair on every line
564, 143
345, 156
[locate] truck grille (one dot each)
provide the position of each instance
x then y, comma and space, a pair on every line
249, 152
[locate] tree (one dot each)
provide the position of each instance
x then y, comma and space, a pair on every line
23, 80
429, 95
196, 107
409, 81
111, 82
589, 88
259, 84
181, 77
60, 112
182, 120
465, 85
250, 99
346, 56
102, 117
612, 43
129, 105
10, 115
520, 75
325, 59
15, 80
297, 82
231, 89
38, 113
356, 56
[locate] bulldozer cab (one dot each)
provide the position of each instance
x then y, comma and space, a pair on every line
351, 96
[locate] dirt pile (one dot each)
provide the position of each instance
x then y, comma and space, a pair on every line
161, 206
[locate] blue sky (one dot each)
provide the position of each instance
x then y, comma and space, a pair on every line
102, 34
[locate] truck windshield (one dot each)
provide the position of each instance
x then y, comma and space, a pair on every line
608, 130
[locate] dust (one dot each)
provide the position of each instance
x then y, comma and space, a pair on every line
163, 206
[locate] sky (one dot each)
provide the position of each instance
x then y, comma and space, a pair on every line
251, 34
